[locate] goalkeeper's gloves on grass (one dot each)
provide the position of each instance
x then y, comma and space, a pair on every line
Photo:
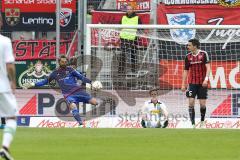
28, 85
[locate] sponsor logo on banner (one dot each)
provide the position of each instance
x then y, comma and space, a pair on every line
23, 120
215, 15
187, 2
228, 35
138, 5
34, 73
229, 107
40, 49
182, 36
51, 103
128, 124
222, 75
113, 122
65, 16
48, 6
52, 123
12, 16
55, 122
40, 2
229, 3
38, 21
37, 15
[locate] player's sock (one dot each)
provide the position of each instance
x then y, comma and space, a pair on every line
8, 132
3, 121
143, 124
203, 112
76, 115
192, 114
165, 124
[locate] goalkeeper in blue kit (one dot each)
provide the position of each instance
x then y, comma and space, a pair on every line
67, 77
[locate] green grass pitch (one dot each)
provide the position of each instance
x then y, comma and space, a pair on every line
125, 144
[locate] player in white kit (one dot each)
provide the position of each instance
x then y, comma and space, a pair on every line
154, 112
8, 102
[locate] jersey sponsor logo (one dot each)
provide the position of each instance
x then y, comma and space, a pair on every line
229, 3
12, 16
197, 62
155, 111
65, 16
182, 36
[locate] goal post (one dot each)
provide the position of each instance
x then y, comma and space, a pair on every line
158, 63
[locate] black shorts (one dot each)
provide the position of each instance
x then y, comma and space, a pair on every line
197, 89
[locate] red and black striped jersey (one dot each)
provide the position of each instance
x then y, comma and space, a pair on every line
195, 64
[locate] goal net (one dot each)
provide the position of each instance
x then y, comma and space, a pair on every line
129, 68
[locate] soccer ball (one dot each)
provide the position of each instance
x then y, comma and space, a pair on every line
97, 85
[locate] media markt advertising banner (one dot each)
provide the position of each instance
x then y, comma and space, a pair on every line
37, 15
33, 70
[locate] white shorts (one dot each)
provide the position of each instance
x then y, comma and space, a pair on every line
8, 105
151, 124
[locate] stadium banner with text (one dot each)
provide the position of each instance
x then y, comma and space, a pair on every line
33, 70
37, 5
37, 15
201, 14
117, 122
225, 3
37, 21
111, 37
124, 104
223, 74
137, 4
188, 2
40, 49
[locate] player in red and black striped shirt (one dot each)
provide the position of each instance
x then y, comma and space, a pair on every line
197, 70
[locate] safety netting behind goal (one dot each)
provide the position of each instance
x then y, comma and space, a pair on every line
128, 68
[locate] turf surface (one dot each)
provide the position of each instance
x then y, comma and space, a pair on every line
125, 144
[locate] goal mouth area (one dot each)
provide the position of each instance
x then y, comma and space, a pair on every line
159, 63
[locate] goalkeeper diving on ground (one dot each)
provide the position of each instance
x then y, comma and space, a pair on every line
154, 112
67, 77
